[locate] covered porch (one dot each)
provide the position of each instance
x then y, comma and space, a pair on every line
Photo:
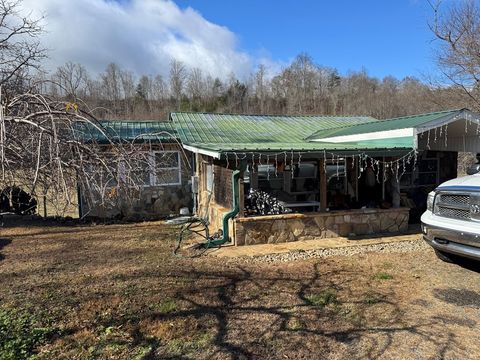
363, 176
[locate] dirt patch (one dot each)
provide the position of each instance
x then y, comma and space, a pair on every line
118, 292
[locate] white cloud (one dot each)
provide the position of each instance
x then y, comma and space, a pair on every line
139, 35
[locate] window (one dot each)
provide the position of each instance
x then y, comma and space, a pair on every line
209, 178
158, 168
166, 168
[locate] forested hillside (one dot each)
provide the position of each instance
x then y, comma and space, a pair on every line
303, 87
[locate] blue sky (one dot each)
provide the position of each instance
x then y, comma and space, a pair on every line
386, 37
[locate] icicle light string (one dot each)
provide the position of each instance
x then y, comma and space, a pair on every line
328, 155
360, 166
337, 164
446, 132
364, 160
403, 168
268, 168
324, 162
384, 167
276, 165
228, 163
291, 164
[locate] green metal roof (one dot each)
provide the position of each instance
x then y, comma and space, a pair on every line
228, 132
162, 131
413, 121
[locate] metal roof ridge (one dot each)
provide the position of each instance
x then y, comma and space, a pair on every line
136, 121
423, 114
388, 120
273, 115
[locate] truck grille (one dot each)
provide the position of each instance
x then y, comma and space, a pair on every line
453, 213
455, 205
453, 199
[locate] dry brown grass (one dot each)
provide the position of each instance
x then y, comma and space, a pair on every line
117, 292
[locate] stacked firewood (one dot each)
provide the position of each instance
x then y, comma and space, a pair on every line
261, 203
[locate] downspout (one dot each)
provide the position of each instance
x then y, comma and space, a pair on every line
214, 242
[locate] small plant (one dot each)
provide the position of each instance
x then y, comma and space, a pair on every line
352, 314
387, 265
167, 307
382, 276
372, 298
183, 346
327, 297
19, 335
294, 324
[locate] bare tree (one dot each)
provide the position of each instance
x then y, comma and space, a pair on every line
19, 44
127, 80
458, 56
261, 87
111, 82
178, 75
72, 79
196, 84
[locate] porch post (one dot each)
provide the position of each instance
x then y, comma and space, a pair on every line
322, 176
254, 176
241, 195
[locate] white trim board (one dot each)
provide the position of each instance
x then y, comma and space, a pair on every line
378, 135
196, 150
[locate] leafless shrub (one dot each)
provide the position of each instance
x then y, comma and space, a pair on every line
457, 28
55, 147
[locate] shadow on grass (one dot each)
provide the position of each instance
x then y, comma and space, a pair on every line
287, 325
236, 310
468, 264
4, 242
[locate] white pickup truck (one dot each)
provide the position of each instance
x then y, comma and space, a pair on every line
451, 224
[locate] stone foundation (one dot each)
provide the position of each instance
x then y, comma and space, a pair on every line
293, 227
151, 202
216, 213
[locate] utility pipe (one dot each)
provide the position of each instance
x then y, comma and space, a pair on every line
230, 215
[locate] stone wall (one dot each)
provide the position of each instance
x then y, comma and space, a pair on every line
216, 213
293, 227
222, 186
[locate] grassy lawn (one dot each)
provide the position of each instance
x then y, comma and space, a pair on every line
117, 292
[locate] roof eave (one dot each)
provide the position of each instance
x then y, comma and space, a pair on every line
198, 150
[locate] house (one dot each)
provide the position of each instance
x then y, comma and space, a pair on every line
330, 176
294, 177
